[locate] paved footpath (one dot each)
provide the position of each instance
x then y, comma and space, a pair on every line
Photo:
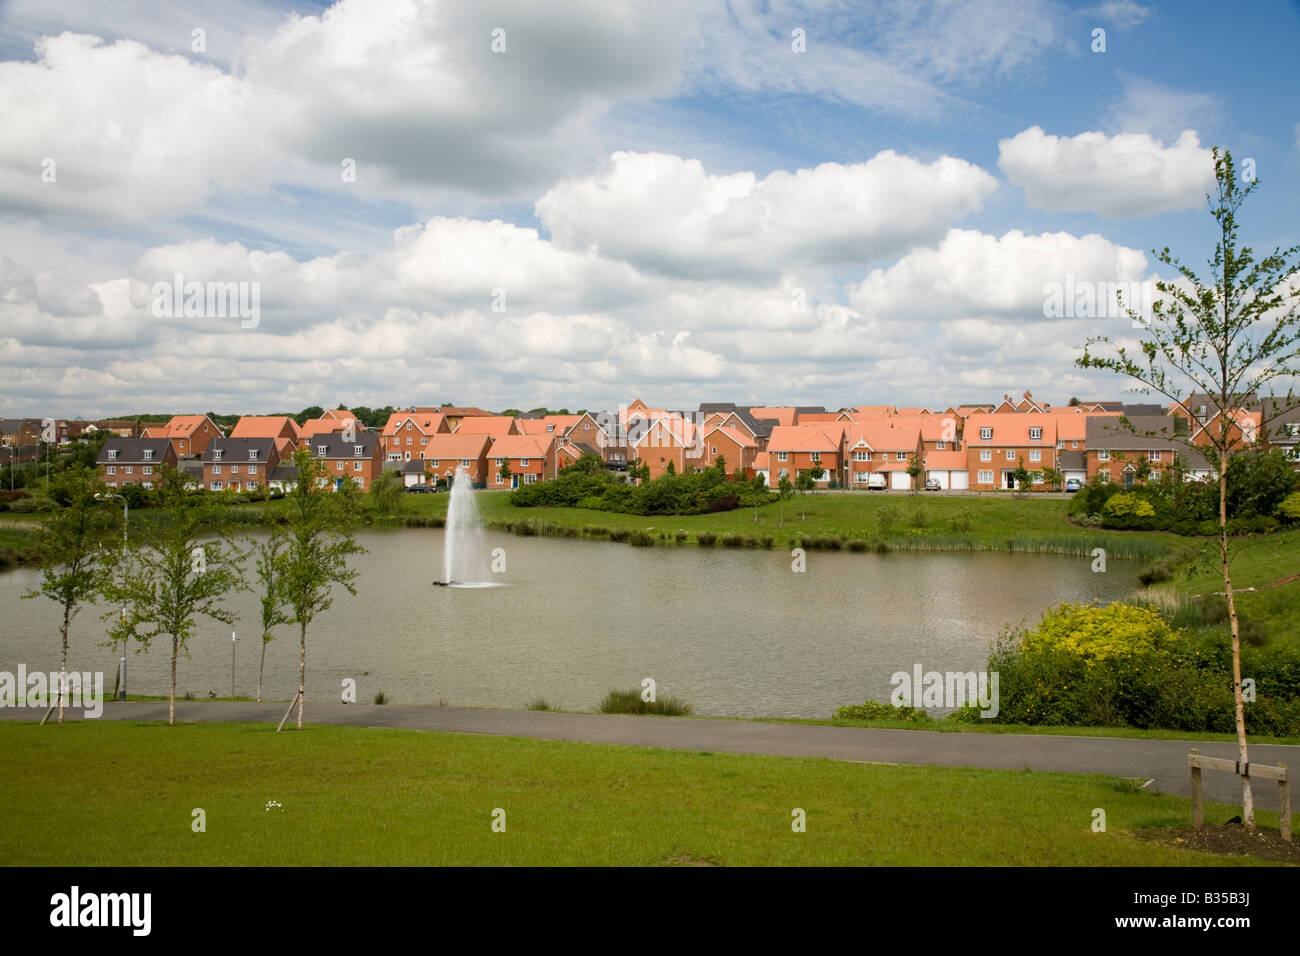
1163, 762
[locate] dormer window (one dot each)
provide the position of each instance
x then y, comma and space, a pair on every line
986, 433
216, 454
252, 454
112, 454
148, 454
1292, 429
1036, 434
320, 450
357, 450
550, 428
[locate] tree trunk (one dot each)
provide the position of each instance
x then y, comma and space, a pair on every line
260, 668
302, 670
63, 667
171, 701
1247, 797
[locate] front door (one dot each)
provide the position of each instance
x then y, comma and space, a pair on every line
1009, 480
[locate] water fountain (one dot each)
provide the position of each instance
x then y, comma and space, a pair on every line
464, 549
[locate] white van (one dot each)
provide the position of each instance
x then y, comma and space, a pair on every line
878, 481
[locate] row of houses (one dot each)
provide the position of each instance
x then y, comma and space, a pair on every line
975, 447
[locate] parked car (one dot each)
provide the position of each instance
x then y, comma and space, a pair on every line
1073, 485
878, 481
932, 484
420, 489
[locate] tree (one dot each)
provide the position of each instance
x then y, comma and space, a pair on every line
320, 541
1053, 477
386, 492
783, 489
76, 551
1021, 478
311, 411
270, 575
181, 576
1226, 338
504, 471
803, 482
914, 471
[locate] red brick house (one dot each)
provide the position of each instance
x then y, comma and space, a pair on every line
997, 443
134, 461
360, 458
881, 447
407, 434
797, 448
445, 452
531, 458
240, 464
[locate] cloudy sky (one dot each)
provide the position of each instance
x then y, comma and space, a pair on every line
575, 203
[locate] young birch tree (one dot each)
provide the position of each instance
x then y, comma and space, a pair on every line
187, 571
319, 543
1226, 337
270, 569
76, 550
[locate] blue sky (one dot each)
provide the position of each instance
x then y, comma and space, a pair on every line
655, 151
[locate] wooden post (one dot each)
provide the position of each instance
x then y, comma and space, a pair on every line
1284, 803
1198, 811
287, 713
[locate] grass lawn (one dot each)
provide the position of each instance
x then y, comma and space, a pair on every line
122, 794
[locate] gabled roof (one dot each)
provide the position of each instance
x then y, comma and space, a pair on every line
1074, 427
336, 447
887, 435
521, 446
427, 423
264, 426
182, 426
806, 438
456, 445
1010, 429
494, 425
945, 460
131, 450
1110, 434
1072, 460
735, 434
320, 426
558, 424
236, 450
782, 415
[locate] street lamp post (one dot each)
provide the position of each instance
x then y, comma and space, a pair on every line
120, 691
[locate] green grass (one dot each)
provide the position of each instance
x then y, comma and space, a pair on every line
946, 523
122, 794
630, 702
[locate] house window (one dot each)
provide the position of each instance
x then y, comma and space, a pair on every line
715, 450
985, 478
1292, 429
356, 466
408, 426
130, 469
112, 469
234, 469
250, 485
1104, 476
359, 450
320, 450
216, 469
986, 454
551, 428
986, 433
901, 456
1155, 475
147, 469
424, 441
408, 441
252, 454
815, 457
500, 462
1011, 454
862, 456
252, 469
523, 462
1103, 454
1036, 434
148, 454
434, 462
1153, 455
781, 456
216, 454
216, 486
1074, 444
940, 445
112, 454
530, 479
860, 476
338, 465
1036, 455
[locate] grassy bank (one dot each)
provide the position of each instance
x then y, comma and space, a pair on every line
122, 794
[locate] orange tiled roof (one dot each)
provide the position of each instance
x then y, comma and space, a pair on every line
1011, 429
945, 460
739, 437
263, 426
805, 438
494, 425
521, 446
456, 445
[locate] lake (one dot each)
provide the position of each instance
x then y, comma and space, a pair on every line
733, 632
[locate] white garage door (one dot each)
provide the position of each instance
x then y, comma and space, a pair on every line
939, 476
900, 480
960, 480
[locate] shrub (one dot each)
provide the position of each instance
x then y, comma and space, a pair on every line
641, 539
1289, 508
874, 710
706, 539
680, 536
886, 519
619, 534
857, 544
630, 702
380, 698
539, 704
961, 523
30, 505
918, 518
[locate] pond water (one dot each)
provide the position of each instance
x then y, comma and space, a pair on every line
733, 632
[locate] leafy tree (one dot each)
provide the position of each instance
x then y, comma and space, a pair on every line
1225, 337
167, 585
1053, 477
270, 572
76, 551
914, 471
1021, 477
803, 482
311, 411
671, 469
320, 541
504, 472
386, 492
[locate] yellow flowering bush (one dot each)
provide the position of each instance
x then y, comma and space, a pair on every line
1099, 633
1128, 505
